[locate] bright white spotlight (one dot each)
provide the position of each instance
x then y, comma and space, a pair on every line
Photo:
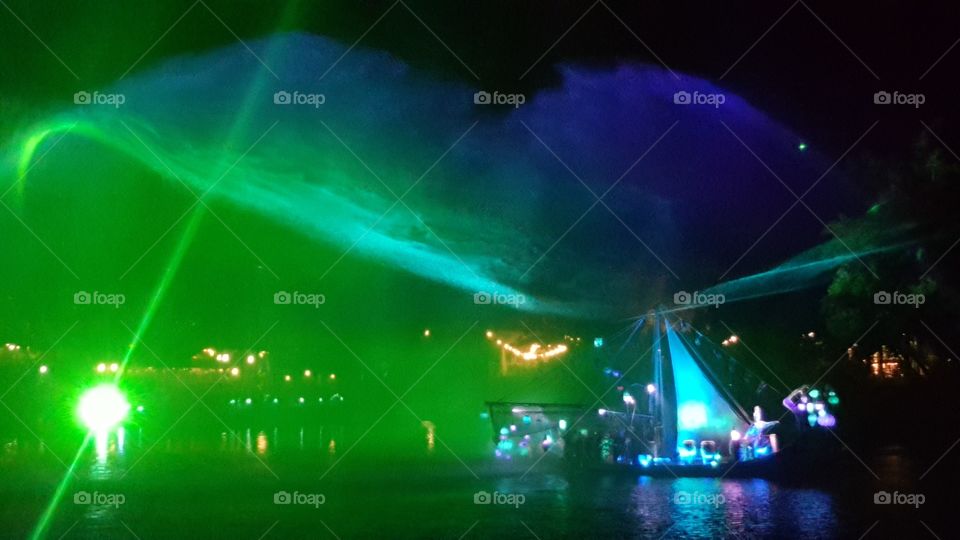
103, 407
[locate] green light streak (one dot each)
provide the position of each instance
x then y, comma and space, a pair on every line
44, 523
186, 239
28, 151
36, 138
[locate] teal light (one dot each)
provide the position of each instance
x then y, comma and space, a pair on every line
692, 415
103, 408
802, 147
702, 413
814, 393
598, 342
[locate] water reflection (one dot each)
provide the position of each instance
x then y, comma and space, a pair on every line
262, 443
431, 434
556, 504
109, 447
712, 508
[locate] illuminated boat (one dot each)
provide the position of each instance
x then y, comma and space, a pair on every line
689, 424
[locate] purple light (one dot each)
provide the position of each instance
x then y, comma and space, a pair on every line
828, 420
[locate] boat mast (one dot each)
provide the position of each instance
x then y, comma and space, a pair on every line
665, 413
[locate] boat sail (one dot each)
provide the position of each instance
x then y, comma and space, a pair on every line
690, 405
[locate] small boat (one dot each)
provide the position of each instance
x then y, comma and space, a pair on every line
689, 426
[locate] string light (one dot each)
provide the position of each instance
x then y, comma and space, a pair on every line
534, 351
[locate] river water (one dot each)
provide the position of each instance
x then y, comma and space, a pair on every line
308, 484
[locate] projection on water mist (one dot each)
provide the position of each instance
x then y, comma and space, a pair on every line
483, 204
